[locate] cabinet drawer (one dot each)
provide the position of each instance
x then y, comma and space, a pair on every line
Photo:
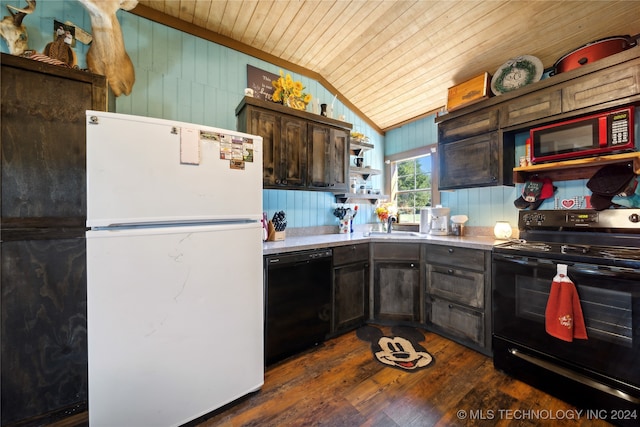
463, 286
350, 254
399, 251
608, 85
531, 107
455, 256
468, 125
458, 321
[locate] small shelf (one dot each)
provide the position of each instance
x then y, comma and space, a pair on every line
364, 172
575, 169
357, 147
372, 198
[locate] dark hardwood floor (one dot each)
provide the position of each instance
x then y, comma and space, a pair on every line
340, 384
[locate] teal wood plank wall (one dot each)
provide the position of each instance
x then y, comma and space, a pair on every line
182, 77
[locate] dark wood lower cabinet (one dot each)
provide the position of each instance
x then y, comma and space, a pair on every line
350, 286
397, 288
396, 278
458, 294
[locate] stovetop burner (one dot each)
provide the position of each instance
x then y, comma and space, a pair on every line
628, 257
612, 252
610, 237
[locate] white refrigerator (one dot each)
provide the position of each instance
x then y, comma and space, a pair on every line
174, 269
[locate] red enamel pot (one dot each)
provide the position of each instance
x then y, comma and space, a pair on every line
594, 51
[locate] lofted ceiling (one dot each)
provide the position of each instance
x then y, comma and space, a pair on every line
393, 61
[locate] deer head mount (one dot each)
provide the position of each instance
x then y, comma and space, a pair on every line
107, 55
12, 30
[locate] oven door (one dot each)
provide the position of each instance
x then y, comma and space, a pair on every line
610, 301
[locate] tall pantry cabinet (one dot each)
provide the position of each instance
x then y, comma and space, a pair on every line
43, 215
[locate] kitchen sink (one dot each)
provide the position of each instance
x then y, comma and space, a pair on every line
394, 234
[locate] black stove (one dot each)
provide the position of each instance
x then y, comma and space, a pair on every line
599, 251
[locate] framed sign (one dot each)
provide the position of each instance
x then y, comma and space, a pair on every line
260, 81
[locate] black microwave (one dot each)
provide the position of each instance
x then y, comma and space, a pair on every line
598, 134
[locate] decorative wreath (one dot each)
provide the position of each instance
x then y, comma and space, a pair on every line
519, 63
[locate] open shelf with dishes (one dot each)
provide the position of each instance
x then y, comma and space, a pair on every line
575, 169
357, 147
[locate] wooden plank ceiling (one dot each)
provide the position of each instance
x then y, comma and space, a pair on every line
393, 61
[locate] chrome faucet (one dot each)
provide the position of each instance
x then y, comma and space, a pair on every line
390, 220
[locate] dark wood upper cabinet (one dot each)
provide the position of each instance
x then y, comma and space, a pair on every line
471, 140
300, 150
479, 161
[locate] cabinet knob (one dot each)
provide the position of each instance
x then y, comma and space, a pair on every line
450, 250
450, 306
450, 271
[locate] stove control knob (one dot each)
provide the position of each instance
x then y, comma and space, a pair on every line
634, 218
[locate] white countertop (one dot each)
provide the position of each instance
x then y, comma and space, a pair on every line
299, 243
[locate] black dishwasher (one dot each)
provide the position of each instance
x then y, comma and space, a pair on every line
298, 302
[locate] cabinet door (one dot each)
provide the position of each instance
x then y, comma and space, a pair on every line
267, 125
339, 160
44, 327
351, 303
327, 158
293, 152
319, 156
43, 143
472, 162
397, 291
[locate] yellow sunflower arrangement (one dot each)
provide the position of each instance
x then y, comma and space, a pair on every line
290, 93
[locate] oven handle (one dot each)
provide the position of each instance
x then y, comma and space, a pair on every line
591, 269
575, 376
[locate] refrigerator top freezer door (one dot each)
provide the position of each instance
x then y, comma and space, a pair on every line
146, 170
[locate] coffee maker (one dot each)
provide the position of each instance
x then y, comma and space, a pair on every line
435, 221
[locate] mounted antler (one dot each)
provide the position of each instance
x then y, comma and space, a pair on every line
12, 30
107, 54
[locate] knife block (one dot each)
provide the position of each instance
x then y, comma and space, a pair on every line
273, 235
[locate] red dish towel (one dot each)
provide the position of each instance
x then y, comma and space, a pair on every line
564, 319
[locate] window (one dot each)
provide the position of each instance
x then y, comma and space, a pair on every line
413, 188
413, 183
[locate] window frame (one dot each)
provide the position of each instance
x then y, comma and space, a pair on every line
391, 171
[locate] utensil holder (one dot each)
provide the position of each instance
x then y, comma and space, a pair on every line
273, 235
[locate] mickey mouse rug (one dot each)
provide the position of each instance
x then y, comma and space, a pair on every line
400, 350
